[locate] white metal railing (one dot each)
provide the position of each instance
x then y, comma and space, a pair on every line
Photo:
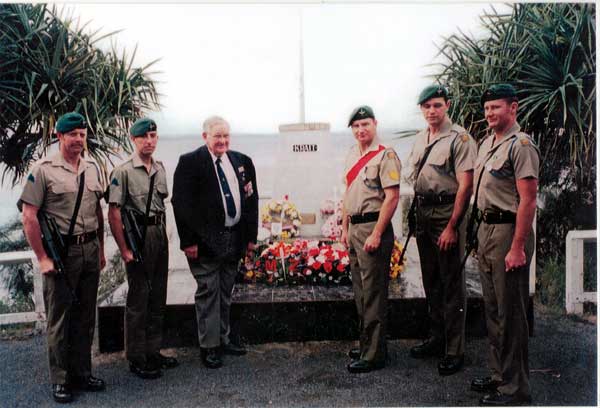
575, 294
38, 315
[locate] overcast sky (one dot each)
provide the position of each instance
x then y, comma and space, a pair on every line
242, 61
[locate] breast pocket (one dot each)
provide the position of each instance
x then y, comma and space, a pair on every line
371, 177
161, 190
501, 168
438, 163
93, 186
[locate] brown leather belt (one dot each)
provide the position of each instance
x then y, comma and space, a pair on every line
435, 199
498, 217
364, 218
82, 238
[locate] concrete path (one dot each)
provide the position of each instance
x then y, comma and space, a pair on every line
563, 357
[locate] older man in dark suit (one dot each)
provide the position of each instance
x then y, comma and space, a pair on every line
215, 200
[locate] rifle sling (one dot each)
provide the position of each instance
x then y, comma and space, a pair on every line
75, 211
148, 203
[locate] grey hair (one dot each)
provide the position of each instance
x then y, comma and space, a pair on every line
211, 121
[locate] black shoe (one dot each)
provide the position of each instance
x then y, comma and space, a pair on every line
62, 393
233, 349
90, 383
450, 365
354, 354
497, 399
145, 371
484, 384
211, 357
429, 348
160, 361
364, 366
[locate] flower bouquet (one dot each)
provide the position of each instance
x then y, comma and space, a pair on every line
282, 218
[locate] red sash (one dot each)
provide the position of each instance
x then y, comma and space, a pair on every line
362, 162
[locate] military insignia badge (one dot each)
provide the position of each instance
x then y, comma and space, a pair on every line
31, 178
241, 169
394, 175
464, 137
524, 142
115, 182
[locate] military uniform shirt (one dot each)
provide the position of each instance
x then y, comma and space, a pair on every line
454, 152
499, 164
366, 194
130, 184
52, 186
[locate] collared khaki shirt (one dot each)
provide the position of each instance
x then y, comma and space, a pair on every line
454, 151
500, 163
52, 186
366, 194
130, 184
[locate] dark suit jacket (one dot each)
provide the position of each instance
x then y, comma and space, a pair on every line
198, 205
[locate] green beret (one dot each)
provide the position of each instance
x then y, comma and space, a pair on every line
70, 121
432, 91
362, 112
142, 126
499, 91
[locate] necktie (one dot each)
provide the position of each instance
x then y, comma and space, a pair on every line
226, 190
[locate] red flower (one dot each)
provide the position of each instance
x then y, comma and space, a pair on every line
340, 267
313, 252
327, 266
316, 265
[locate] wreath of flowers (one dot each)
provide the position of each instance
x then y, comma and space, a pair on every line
285, 212
306, 262
331, 211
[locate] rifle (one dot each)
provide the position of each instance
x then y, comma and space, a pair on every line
412, 212
133, 235
471, 243
55, 248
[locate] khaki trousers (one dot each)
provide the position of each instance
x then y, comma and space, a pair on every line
370, 281
443, 278
70, 329
506, 296
147, 297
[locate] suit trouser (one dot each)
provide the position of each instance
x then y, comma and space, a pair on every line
506, 296
215, 277
146, 297
443, 278
370, 281
70, 329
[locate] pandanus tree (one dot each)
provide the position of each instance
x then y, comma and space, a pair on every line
50, 65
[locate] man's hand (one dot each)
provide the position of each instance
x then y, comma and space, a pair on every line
47, 266
372, 242
344, 238
447, 239
191, 252
514, 259
102, 260
127, 256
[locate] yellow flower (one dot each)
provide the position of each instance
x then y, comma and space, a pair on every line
249, 274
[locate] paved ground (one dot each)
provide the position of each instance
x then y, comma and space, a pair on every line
563, 363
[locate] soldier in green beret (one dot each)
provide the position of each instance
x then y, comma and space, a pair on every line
442, 158
506, 174
52, 188
372, 178
140, 184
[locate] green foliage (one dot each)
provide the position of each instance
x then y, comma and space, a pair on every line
548, 52
49, 65
550, 285
111, 277
18, 279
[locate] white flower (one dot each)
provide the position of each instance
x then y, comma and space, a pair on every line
321, 258
313, 244
308, 272
310, 261
345, 260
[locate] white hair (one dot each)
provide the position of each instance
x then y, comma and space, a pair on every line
212, 121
